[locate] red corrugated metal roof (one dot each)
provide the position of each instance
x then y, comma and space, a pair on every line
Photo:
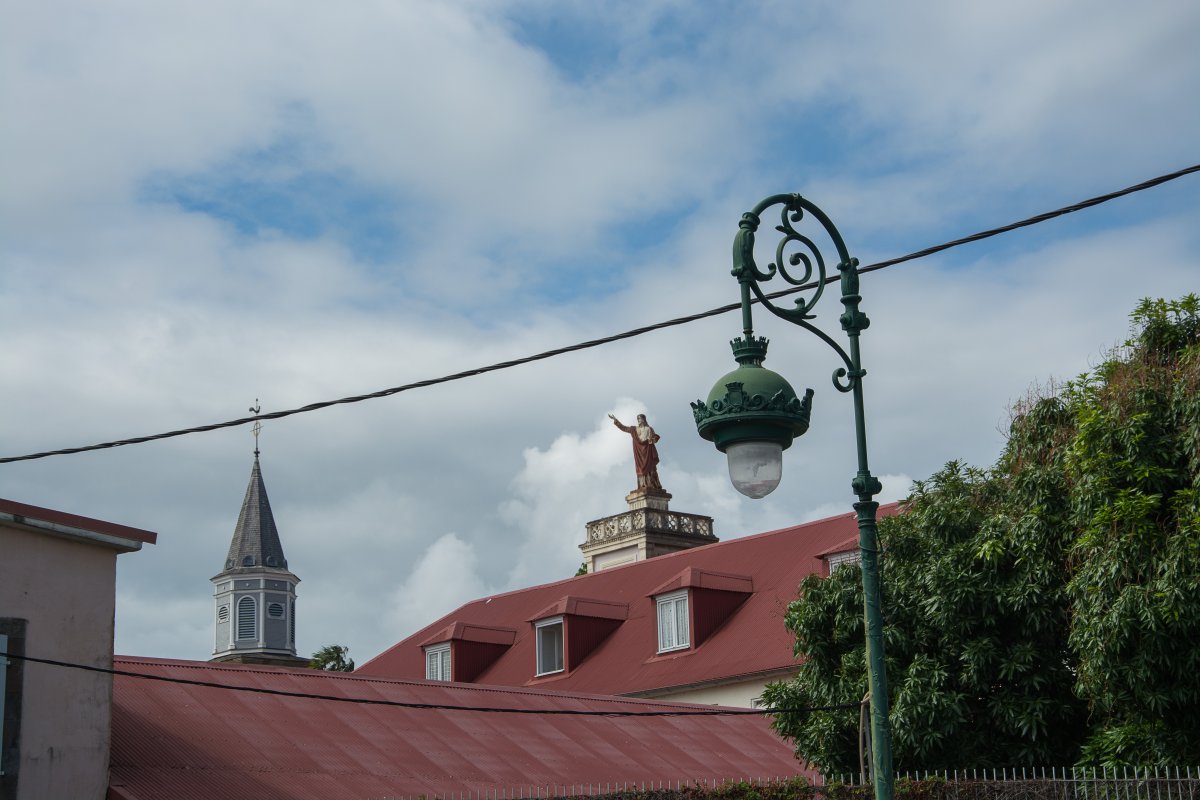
198, 743
752, 641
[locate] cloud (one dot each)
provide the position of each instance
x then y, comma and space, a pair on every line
209, 204
443, 578
578, 478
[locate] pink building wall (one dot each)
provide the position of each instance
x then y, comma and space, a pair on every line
58, 573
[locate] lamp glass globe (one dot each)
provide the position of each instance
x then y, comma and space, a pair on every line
755, 468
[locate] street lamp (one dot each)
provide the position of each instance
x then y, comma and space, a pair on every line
752, 414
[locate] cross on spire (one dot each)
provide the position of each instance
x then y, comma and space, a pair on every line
256, 409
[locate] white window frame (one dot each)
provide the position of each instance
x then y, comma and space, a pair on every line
437, 662
560, 662
836, 560
674, 628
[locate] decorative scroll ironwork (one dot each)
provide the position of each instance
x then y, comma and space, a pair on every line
799, 262
808, 256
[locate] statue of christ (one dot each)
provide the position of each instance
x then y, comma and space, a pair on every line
645, 454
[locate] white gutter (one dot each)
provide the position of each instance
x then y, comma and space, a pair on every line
67, 532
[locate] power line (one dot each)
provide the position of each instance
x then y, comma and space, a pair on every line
975, 237
572, 712
1034, 220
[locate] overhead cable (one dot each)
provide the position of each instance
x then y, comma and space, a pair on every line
572, 712
975, 237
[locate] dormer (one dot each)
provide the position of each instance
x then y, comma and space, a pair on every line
693, 604
568, 630
462, 651
844, 552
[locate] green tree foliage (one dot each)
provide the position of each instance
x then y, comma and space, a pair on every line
332, 658
1046, 610
1134, 466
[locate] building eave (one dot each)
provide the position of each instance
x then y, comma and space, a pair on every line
727, 680
121, 538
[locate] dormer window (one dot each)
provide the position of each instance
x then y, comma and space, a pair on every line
549, 636
437, 662
694, 604
843, 553
673, 630
836, 560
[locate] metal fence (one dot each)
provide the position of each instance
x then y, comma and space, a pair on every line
599, 789
1021, 783
1069, 783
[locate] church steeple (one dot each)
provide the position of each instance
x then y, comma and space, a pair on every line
256, 537
255, 594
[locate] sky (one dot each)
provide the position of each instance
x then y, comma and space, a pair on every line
202, 204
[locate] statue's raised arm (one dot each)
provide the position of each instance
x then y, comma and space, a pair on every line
617, 422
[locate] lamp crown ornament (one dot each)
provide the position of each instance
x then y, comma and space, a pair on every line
752, 402
749, 350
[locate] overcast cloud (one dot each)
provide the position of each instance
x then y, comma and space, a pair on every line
201, 204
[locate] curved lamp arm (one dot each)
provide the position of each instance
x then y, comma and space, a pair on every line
804, 264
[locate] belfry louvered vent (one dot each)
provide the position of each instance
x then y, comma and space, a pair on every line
245, 618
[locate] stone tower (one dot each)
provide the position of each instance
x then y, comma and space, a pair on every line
648, 529
255, 594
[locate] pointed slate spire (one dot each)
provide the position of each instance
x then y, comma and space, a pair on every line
255, 543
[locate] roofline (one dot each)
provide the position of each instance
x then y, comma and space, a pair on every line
73, 526
664, 556
485, 688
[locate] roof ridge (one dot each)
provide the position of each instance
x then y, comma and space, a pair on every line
677, 554
484, 688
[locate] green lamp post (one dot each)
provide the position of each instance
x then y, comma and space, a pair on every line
752, 414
